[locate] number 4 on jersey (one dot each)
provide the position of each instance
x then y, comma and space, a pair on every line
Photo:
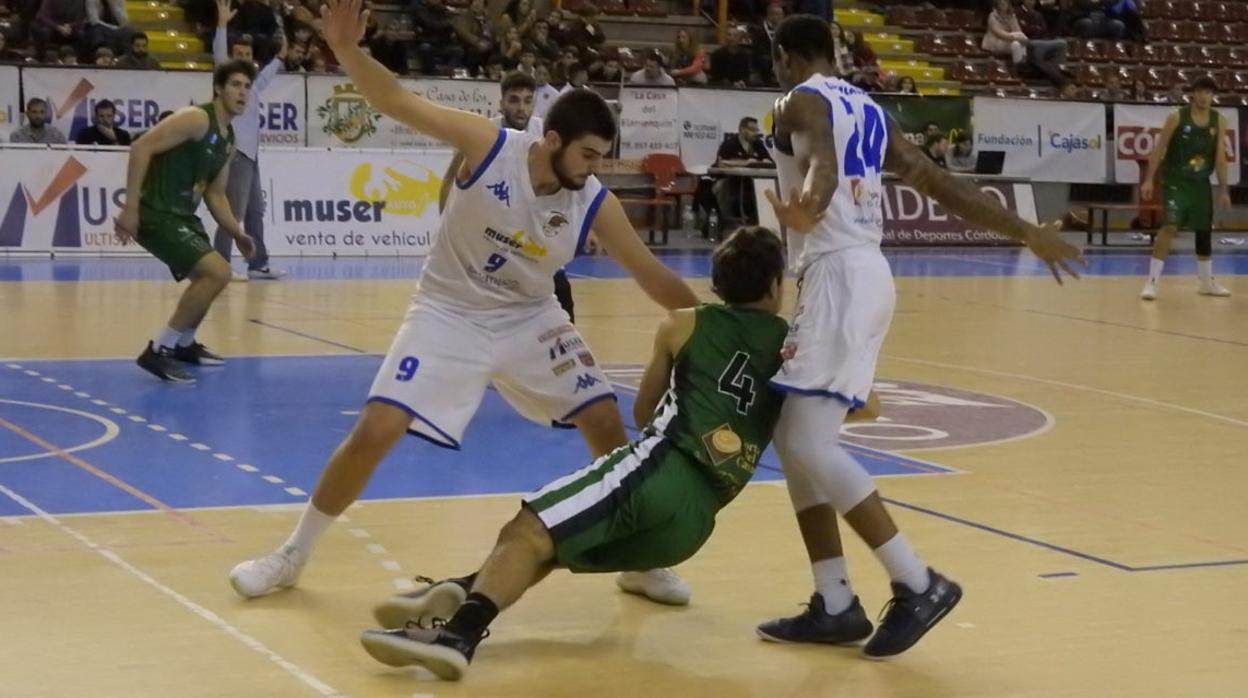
735, 383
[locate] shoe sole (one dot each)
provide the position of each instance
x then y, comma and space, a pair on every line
234, 585
444, 662
1147, 298
168, 378
1214, 295
640, 590
835, 643
440, 601
202, 362
957, 597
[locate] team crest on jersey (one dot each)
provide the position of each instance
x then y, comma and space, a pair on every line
501, 191
586, 358
722, 444
555, 224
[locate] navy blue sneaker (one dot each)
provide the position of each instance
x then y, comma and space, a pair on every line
816, 625
437, 649
909, 615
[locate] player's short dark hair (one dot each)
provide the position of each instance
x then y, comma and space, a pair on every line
517, 80
746, 121
578, 113
806, 36
243, 40
136, 36
746, 265
104, 104
226, 70
1205, 82
35, 102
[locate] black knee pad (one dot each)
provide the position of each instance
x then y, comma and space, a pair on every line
1204, 243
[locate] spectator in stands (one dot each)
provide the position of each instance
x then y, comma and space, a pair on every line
257, 18
104, 57
138, 57
1175, 94
578, 77
59, 22
319, 65
1091, 20
296, 59
476, 35
609, 70
103, 129
860, 51
540, 42
906, 86
652, 72
1044, 53
546, 93
961, 157
870, 79
688, 58
37, 128
730, 63
67, 55
522, 15
528, 62
1005, 37
1127, 12
240, 49
559, 26
761, 35
389, 48
511, 47
106, 23
1114, 91
1139, 91
585, 34
734, 195
936, 147
303, 35
494, 68
435, 36
844, 59
1069, 90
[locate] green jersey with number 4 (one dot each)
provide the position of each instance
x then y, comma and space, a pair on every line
720, 411
177, 178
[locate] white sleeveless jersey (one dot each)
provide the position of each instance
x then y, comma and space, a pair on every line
855, 216
499, 243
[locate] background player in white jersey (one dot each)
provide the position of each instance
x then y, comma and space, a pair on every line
516, 107
485, 310
831, 143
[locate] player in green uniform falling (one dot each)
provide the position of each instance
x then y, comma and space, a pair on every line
181, 161
649, 504
1189, 149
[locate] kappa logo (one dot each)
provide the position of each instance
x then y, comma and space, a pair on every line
501, 191
585, 382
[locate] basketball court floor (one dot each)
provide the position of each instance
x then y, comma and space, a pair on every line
1076, 458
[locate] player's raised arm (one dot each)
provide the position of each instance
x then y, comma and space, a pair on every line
617, 235
965, 199
471, 134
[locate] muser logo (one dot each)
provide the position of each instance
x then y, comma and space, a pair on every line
62, 190
347, 116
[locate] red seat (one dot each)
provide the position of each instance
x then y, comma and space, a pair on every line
667, 169
1158, 78
998, 74
1184, 55
647, 8
1121, 52
965, 20
1203, 32
1163, 30
930, 17
1092, 50
1213, 56
1154, 54
968, 46
1181, 9
1091, 75
969, 72
903, 16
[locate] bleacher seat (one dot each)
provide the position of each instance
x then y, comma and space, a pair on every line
1091, 75
903, 16
1154, 54
1158, 78
1091, 50
1121, 52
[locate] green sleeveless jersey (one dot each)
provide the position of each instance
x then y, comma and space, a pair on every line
1193, 149
176, 179
720, 411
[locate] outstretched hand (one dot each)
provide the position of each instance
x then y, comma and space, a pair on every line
224, 13
1045, 243
800, 213
343, 24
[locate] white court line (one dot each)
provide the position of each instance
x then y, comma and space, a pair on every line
250, 642
1076, 386
273, 479
391, 565
376, 548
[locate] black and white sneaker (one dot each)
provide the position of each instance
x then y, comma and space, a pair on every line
160, 363
437, 649
198, 354
437, 599
909, 615
816, 625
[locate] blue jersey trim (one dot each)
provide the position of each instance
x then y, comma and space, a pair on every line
852, 402
489, 158
589, 219
447, 442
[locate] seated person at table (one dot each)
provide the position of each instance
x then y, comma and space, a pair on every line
735, 195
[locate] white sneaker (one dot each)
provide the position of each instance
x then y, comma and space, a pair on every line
238, 276
278, 570
661, 585
267, 273
1210, 287
1150, 291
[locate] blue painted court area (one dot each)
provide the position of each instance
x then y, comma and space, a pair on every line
690, 264
257, 432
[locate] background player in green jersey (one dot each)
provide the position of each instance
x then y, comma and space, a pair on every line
651, 503
184, 159
1190, 148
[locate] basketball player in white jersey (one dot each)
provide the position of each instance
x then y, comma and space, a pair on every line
831, 143
516, 107
485, 311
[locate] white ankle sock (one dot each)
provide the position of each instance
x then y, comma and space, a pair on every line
186, 338
1204, 269
903, 564
832, 583
312, 525
167, 338
1154, 269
